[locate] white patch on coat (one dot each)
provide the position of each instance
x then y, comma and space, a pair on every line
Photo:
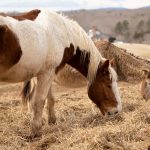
63, 31
113, 77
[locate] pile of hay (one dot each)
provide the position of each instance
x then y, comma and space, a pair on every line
128, 66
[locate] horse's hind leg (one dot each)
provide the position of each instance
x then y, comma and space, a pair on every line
43, 84
50, 107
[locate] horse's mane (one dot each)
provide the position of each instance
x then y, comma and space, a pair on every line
76, 35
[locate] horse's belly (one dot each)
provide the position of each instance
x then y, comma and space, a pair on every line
26, 68
17, 75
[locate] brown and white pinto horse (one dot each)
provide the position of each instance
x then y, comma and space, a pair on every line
40, 48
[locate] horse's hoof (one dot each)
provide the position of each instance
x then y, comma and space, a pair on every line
32, 137
51, 120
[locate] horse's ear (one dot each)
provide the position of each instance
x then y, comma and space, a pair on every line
145, 72
112, 62
3, 29
104, 67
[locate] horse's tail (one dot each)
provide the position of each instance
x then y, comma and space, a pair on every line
27, 91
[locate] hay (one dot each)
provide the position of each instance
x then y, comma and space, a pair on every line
128, 66
79, 124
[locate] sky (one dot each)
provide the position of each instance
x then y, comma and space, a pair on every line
9, 5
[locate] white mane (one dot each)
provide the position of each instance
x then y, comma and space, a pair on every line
65, 31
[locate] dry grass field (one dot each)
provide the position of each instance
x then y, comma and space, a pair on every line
137, 49
80, 125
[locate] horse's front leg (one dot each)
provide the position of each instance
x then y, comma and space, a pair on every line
50, 107
43, 84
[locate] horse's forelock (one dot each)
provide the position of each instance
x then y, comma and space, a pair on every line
113, 77
113, 74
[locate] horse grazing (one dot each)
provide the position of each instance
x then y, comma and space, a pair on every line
41, 48
145, 85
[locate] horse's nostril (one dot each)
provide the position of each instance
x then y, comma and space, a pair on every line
116, 112
108, 113
112, 113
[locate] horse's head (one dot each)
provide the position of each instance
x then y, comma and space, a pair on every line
104, 92
10, 51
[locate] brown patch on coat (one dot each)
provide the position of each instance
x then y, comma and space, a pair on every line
31, 15
80, 61
3, 14
75, 60
68, 53
10, 51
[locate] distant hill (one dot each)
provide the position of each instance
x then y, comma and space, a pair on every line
125, 24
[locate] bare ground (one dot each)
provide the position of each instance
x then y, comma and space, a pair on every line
80, 125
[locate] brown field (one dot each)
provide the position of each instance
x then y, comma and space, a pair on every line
138, 49
80, 125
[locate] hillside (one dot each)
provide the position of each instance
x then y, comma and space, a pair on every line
133, 25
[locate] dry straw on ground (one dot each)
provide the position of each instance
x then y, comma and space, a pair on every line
80, 126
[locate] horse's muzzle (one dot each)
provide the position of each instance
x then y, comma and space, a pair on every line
111, 113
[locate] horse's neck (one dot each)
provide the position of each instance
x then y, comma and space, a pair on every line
80, 62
